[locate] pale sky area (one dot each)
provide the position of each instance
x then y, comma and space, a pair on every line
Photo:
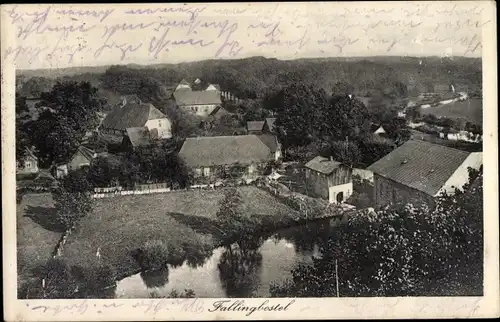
58, 36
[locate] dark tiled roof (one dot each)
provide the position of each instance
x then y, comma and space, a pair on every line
224, 150
255, 125
132, 115
183, 98
270, 140
420, 165
322, 165
138, 136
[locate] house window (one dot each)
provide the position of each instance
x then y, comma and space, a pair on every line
198, 171
159, 123
28, 164
206, 108
206, 172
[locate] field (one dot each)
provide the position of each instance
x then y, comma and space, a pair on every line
471, 110
37, 233
180, 219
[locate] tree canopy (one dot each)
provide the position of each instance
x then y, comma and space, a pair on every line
67, 113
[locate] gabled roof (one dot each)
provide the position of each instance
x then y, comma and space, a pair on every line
132, 115
216, 86
322, 165
29, 153
186, 98
255, 125
270, 123
270, 140
184, 82
420, 165
86, 152
380, 130
139, 136
224, 150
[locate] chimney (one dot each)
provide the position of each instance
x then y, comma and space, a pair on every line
331, 158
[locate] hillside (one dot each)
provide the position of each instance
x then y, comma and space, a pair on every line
254, 77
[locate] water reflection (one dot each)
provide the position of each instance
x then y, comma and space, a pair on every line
155, 278
244, 269
308, 238
240, 270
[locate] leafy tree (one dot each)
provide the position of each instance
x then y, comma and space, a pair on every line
297, 114
232, 222
153, 255
73, 199
22, 135
345, 152
68, 112
184, 124
344, 117
105, 171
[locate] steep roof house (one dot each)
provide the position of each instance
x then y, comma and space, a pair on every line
202, 103
29, 164
420, 171
212, 156
133, 115
328, 179
82, 157
183, 85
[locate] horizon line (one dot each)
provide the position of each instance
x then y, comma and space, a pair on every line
250, 57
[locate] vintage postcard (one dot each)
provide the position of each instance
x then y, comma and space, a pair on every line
206, 161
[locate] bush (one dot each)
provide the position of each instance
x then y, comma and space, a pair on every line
153, 255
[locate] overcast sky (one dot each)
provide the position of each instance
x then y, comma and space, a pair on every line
50, 36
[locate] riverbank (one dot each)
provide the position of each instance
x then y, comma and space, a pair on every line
184, 221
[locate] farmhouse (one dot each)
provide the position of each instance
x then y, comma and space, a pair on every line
419, 171
328, 179
82, 158
202, 103
29, 164
226, 156
135, 114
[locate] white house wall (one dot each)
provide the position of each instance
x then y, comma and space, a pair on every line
164, 127
461, 175
201, 110
345, 188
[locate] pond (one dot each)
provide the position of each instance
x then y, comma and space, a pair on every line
235, 272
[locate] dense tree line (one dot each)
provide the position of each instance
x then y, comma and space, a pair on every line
310, 122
